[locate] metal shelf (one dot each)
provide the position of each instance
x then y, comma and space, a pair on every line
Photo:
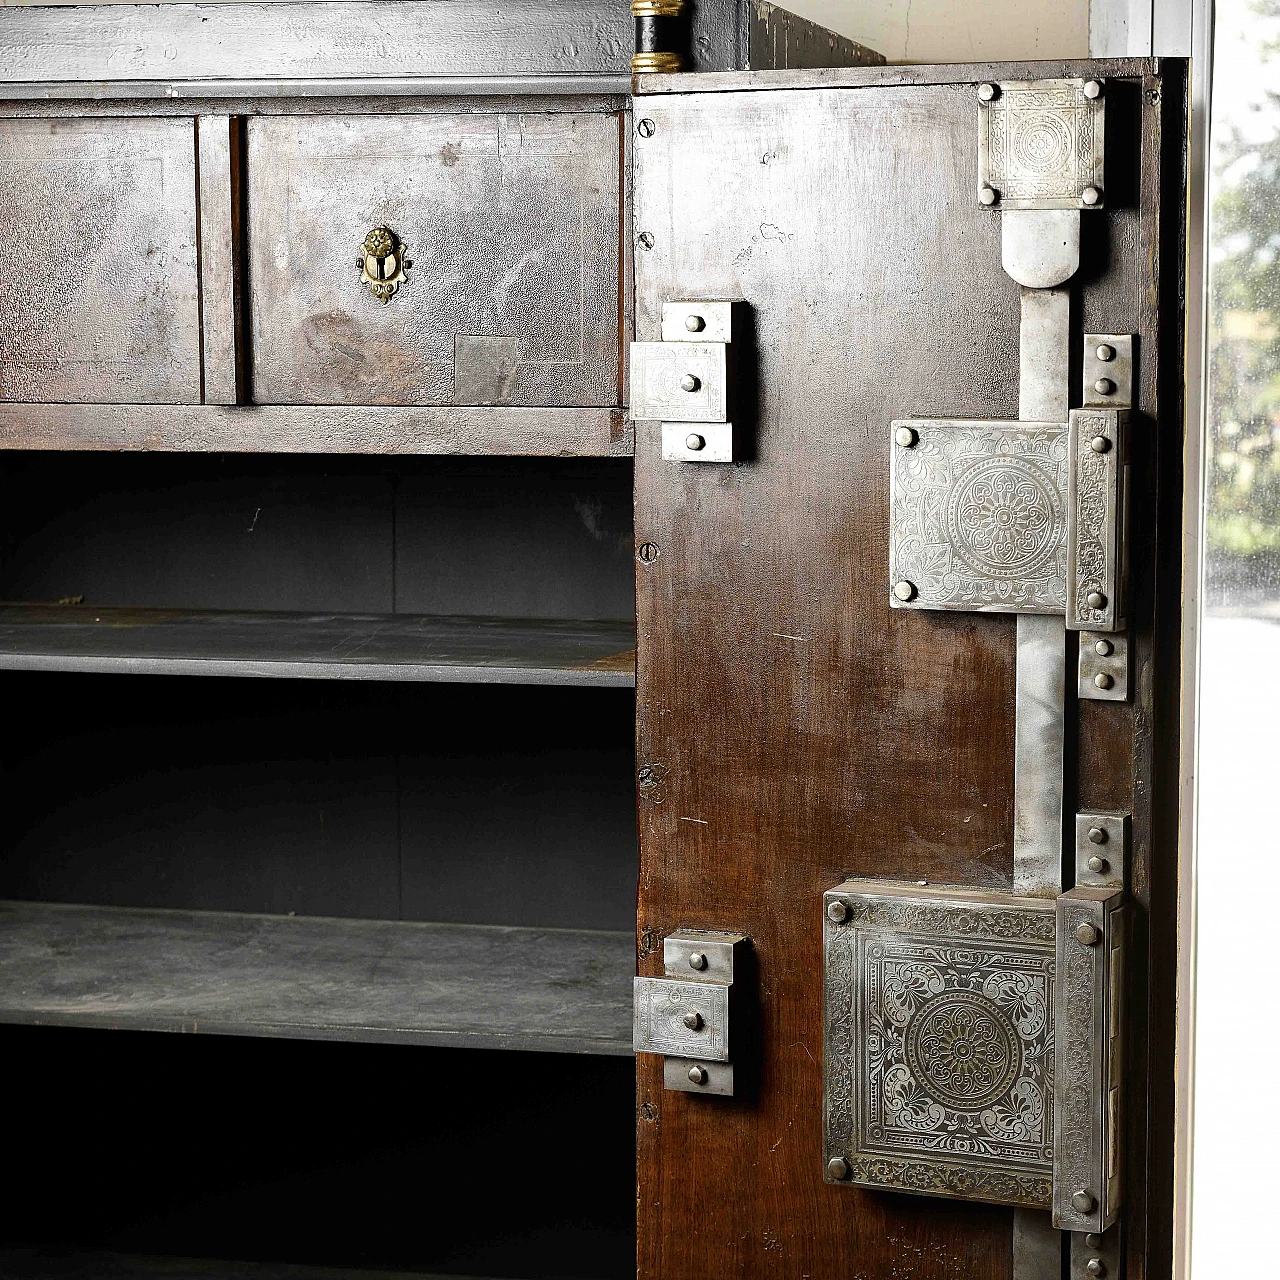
459, 985
317, 646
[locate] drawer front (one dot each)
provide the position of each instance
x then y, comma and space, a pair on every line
509, 224
99, 296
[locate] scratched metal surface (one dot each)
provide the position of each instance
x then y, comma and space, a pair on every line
510, 222
99, 299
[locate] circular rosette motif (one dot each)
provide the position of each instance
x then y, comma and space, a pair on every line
963, 1049
1005, 519
1042, 143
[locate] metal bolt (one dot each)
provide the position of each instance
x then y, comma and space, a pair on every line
1083, 1202
1105, 353
646, 128
1093, 1240
837, 912
1103, 680
1096, 1267
693, 1021
690, 383
648, 552
697, 960
695, 324
1103, 648
904, 590
1097, 835
1097, 865
906, 437
1092, 89
1099, 444
1087, 935
645, 240
1090, 196
1096, 600
838, 1168
988, 195
698, 1074
694, 443
987, 92
1104, 387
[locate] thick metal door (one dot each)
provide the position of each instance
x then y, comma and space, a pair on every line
798, 728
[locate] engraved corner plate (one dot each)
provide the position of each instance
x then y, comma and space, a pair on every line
978, 515
1095, 537
938, 1051
1040, 145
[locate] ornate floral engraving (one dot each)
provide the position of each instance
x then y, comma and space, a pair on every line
1092, 548
661, 1006
979, 515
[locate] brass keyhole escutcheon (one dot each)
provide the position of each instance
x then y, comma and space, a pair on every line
382, 262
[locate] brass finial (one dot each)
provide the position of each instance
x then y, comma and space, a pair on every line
653, 31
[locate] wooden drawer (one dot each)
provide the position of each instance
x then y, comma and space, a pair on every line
511, 227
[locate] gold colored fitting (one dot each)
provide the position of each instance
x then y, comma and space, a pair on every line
645, 64
657, 8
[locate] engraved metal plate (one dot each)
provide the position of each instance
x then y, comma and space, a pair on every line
679, 381
978, 515
1095, 547
938, 1055
1040, 145
663, 1004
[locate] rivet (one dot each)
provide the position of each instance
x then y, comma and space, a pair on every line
693, 1021
645, 240
1104, 387
697, 960
905, 436
646, 128
690, 383
1096, 600
1093, 1240
1106, 352
698, 1074
1087, 935
904, 590
837, 912
1092, 89
988, 195
1097, 865
1103, 680
1090, 196
1083, 1202
1096, 1267
694, 443
987, 92
695, 324
1099, 444
838, 1168
1097, 835
1103, 648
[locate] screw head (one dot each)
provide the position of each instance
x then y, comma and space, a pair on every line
1083, 1202
694, 443
838, 1168
647, 552
690, 383
1099, 444
1097, 835
1104, 387
1087, 935
646, 128
904, 590
1096, 600
697, 960
1092, 89
693, 1021
1105, 353
906, 437
1103, 680
1097, 865
698, 1074
645, 240
988, 195
1090, 196
695, 324
837, 912
1096, 1267
1103, 648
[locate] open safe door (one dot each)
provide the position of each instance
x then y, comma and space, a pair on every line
906, 387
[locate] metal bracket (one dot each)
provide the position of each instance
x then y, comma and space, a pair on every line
686, 1014
1102, 849
1096, 1256
1108, 371
1098, 440
1103, 672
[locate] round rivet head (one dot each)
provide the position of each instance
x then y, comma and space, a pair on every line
1099, 444
988, 195
698, 1074
1096, 600
1083, 1202
905, 436
987, 92
1093, 1241
838, 1168
1097, 865
690, 383
697, 960
1090, 196
1092, 89
1106, 353
1103, 648
695, 443
1096, 1267
1104, 387
1097, 835
695, 324
1087, 935
646, 128
904, 590
693, 1021
1103, 681
837, 912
